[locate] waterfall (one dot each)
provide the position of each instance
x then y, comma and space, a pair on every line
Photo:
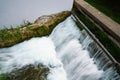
69, 53
32, 52
82, 58
73, 54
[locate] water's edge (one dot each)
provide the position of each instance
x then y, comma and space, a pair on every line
69, 53
41, 27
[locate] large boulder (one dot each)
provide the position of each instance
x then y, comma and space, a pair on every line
41, 27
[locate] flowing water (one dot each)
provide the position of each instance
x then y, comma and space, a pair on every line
76, 60
68, 52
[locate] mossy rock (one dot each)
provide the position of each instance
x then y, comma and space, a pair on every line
28, 72
41, 27
4, 77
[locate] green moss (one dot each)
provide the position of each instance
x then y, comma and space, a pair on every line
79, 25
111, 10
4, 34
30, 72
103, 38
18, 33
42, 31
10, 37
4, 77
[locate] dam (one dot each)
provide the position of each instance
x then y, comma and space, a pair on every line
108, 25
80, 57
70, 52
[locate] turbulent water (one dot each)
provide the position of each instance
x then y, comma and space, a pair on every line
34, 51
65, 52
76, 60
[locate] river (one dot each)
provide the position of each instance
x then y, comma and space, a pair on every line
65, 52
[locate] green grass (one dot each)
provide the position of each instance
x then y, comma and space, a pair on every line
7, 33
103, 38
10, 37
110, 8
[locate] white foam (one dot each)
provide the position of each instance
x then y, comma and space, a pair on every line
35, 50
77, 63
57, 73
74, 55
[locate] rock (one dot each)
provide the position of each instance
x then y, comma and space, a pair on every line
41, 27
28, 72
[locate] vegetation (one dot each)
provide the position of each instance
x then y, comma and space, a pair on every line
42, 26
103, 38
110, 8
30, 72
4, 77
8, 36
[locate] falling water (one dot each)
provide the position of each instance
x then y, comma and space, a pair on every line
76, 60
34, 51
68, 52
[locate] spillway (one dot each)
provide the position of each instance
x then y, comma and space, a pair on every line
69, 53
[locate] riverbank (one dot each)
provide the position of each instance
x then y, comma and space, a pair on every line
105, 23
41, 27
109, 8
